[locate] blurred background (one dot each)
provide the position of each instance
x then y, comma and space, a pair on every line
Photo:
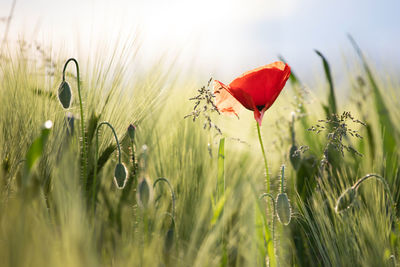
140, 62
218, 38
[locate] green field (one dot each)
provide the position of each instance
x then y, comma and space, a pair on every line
57, 209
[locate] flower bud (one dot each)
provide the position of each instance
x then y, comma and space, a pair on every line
169, 240
283, 209
143, 158
65, 95
120, 175
131, 132
144, 193
70, 123
345, 200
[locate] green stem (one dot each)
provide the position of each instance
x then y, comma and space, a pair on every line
283, 179
134, 163
265, 158
170, 189
273, 215
83, 132
292, 130
221, 193
221, 170
94, 185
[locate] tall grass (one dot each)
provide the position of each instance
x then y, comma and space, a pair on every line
49, 221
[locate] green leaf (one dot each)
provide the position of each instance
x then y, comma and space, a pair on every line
388, 130
35, 151
294, 81
331, 98
219, 207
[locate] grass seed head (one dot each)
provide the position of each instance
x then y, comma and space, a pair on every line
120, 175
346, 199
65, 95
283, 209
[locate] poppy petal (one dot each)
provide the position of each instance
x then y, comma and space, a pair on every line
256, 90
224, 101
243, 97
263, 84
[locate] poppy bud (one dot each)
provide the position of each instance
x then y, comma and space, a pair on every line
70, 122
283, 208
345, 200
131, 132
294, 157
143, 157
120, 175
144, 193
169, 240
65, 95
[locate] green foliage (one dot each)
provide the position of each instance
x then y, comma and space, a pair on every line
388, 130
53, 225
331, 108
35, 151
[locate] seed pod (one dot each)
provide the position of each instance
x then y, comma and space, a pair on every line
283, 209
65, 95
346, 199
169, 240
294, 157
131, 132
120, 175
144, 193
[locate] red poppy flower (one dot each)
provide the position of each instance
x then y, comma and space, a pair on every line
256, 90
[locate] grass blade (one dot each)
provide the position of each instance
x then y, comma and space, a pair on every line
35, 151
331, 108
221, 169
294, 80
388, 130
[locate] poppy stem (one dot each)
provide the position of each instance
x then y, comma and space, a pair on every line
83, 130
283, 179
94, 185
265, 158
273, 214
171, 189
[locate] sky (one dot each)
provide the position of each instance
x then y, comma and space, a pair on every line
218, 38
